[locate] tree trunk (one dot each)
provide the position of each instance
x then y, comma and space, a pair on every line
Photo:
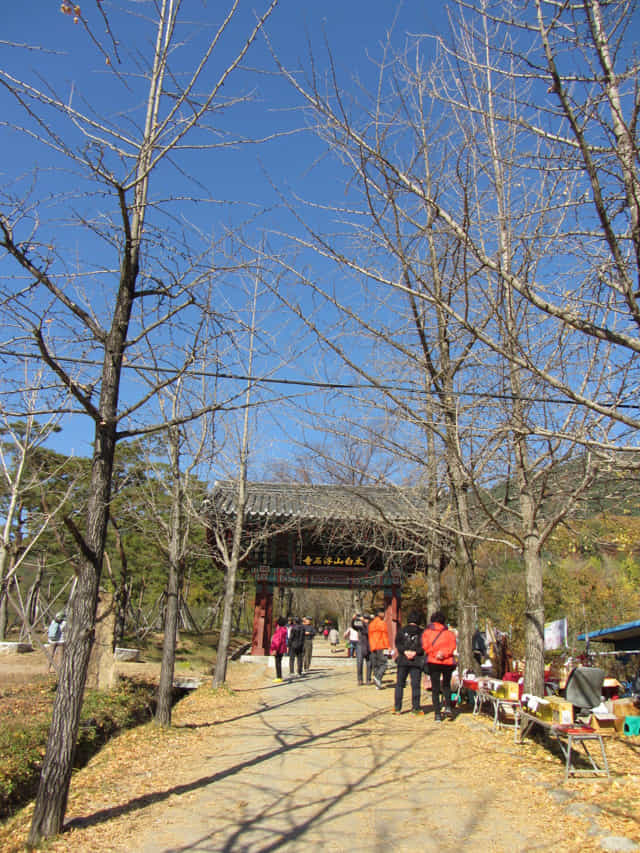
33, 598
55, 778
465, 564
3, 610
174, 585
220, 671
534, 615
433, 588
466, 590
167, 669
122, 592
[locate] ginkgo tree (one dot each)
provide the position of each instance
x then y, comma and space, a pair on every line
106, 265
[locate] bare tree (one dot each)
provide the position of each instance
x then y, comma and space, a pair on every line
149, 287
232, 556
20, 441
496, 315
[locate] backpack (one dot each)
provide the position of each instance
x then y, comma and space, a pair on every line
412, 641
54, 633
296, 638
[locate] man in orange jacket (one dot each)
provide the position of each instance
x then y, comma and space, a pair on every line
378, 644
439, 644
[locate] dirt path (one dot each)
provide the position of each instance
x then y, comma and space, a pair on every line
321, 764
318, 763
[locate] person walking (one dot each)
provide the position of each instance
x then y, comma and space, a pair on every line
296, 646
378, 645
279, 646
478, 649
56, 635
309, 633
334, 638
439, 644
351, 636
363, 653
410, 663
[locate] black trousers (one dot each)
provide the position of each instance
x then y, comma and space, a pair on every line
360, 660
278, 662
378, 663
439, 673
295, 661
415, 674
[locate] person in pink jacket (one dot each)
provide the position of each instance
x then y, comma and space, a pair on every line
439, 644
279, 646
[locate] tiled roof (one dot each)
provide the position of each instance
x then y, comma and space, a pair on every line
321, 502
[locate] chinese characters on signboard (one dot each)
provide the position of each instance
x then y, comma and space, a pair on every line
342, 577
350, 562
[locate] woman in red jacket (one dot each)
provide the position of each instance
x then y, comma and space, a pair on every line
279, 646
439, 644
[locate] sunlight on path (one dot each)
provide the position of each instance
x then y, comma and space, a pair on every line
325, 766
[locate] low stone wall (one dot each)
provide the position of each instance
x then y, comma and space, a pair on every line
127, 654
15, 648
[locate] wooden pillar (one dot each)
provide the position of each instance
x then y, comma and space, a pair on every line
392, 614
262, 619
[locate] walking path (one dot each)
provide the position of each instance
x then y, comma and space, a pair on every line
318, 763
323, 765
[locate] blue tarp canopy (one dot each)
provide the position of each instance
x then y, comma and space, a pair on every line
625, 637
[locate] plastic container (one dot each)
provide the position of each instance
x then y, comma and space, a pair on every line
631, 726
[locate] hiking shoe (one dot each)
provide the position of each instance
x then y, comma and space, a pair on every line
418, 712
437, 718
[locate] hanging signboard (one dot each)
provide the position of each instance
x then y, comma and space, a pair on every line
555, 634
329, 576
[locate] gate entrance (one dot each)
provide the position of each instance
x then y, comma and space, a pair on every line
332, 537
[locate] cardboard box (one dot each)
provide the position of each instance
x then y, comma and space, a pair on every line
604, 724
544, 710
511, 690
561, 711
625, 708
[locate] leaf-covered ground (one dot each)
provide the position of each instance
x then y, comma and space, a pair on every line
148, 765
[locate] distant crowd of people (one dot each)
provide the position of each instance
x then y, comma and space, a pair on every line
430, 650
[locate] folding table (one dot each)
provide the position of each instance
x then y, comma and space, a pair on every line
568, 736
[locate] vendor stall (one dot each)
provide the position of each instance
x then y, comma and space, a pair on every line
625, 637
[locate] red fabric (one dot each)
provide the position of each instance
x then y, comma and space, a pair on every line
439, 644
575, 730
279, 640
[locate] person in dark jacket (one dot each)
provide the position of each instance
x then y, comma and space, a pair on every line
296, 646
409, 663
361, 625
309, 633
479, 649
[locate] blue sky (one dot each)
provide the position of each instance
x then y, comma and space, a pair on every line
46, 48
240, 184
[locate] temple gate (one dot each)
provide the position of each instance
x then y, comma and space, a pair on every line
333, 537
